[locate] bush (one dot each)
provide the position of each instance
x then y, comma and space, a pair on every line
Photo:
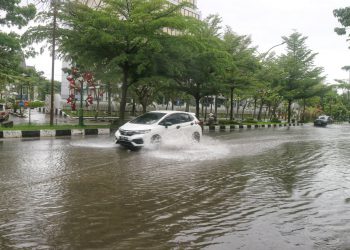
250, 120
275, 120
36, 104
227, 122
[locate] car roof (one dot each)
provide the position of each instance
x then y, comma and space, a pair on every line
170, 112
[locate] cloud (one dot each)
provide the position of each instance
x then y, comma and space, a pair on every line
268, 20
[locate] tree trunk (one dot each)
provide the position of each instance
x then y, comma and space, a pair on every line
124, 93
274, 109
133, 111
231, 104
202, 102
254, 112
109, 96
197, 99
144, 108
267, 111
243, 108
304, 109
260, 109
216, 108
97, 96
205, 112
289, 110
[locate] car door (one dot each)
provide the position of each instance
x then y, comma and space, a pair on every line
185, 125
172, 126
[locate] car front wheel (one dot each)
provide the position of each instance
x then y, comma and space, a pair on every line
155, 139
196, 136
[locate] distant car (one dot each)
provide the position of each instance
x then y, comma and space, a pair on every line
323, 121
156, 126
4, 114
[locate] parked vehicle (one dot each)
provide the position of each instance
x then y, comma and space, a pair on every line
157, 126
4, 114
323, 121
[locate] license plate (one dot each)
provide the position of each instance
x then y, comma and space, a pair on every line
123, 138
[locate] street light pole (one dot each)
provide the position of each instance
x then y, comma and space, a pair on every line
267, 52
81, 110
54, 3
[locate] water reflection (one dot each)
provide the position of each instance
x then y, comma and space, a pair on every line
262, 189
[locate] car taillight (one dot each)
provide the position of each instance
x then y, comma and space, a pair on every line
200, 123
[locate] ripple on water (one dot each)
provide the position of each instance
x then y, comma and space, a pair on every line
291, 192
98, 142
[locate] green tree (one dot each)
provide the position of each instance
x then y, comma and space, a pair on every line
270, 76
343, 16
11, 56
14, 14
241, 69
119, 34
195, 61
300, 71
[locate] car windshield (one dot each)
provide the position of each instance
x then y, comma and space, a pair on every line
148, 118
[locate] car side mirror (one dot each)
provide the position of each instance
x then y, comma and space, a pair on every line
167, 124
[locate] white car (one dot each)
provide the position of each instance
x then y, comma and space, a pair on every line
156, 126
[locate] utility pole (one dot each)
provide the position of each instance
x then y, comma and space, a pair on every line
54, 6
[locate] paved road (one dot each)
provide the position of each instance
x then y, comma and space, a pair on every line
282, 188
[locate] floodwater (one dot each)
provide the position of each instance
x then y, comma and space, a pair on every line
260, 189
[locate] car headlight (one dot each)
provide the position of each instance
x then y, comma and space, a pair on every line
139, 132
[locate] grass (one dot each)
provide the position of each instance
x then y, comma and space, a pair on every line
89, 113
227, 122
35, 127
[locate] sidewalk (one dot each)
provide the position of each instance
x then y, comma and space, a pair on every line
37, 117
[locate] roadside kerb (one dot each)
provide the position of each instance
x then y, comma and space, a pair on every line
228, 128
52, 132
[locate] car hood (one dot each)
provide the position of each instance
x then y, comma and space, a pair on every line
133, 127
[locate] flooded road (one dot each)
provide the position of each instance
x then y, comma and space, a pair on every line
260, 189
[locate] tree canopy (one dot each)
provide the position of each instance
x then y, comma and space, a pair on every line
11, 55
300, 72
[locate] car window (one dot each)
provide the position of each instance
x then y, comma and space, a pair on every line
172, 119
185, 118
148, 118
177, 118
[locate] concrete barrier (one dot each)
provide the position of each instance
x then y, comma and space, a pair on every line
12, 133
30, 133
77, 132
228, 128
104, 131
47, 133
63, 132
52, 132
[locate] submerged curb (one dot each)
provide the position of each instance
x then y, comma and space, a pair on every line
107, 131
52, 132
228, 128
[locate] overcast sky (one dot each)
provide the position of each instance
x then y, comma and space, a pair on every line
268, 20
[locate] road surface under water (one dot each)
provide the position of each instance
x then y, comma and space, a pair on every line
259, 189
